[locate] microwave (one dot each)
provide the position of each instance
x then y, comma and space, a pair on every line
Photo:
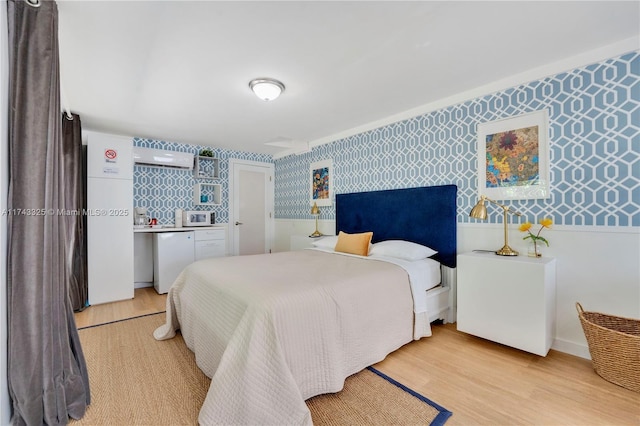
198, 218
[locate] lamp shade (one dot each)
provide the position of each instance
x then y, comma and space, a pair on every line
315, 210
479, 211
266, 89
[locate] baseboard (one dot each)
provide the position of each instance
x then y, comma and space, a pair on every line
571, 348
142, 285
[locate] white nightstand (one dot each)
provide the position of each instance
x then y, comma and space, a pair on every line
509, 300
299, 242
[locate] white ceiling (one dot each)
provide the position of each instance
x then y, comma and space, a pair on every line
179, 70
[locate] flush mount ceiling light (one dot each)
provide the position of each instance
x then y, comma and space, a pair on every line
266, 89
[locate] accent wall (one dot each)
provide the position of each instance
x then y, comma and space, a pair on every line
163, 190
594, 142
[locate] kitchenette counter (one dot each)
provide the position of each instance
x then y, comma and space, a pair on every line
170, 228
161, 252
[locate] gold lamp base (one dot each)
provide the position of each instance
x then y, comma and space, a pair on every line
506, 251
316, 234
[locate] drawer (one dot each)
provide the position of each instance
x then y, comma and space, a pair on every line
209, 248
209, 234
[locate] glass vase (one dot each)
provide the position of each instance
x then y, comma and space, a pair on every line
534, 249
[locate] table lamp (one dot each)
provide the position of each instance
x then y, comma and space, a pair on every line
479, 211
315, 211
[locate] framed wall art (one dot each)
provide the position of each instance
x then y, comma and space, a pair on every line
513, 157
321, 182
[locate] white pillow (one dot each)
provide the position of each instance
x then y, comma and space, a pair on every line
328, 242
402, 250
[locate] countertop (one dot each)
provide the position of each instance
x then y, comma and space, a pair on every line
171, 228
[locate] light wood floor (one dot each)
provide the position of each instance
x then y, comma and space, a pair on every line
145, 301
481, 382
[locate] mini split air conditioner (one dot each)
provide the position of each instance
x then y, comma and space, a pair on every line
161, 158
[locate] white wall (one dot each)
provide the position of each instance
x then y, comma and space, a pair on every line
4, 186
598, 267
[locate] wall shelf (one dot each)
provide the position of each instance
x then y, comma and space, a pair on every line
207, 194
206, 167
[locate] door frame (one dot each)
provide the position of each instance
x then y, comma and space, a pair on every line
269, 203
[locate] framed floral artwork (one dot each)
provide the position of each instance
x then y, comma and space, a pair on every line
513, 157
321, 182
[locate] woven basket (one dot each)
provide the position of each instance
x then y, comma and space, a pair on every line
614, 344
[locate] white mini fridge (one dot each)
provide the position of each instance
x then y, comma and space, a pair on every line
172, 252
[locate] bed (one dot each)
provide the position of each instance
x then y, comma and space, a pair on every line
273, 330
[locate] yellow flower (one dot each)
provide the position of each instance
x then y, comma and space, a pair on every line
546, 222
525, 226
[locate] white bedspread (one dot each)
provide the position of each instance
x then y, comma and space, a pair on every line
274, 330
423, 275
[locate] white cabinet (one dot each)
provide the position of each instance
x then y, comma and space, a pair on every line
109, 218
299, 242
210, 243
509, 300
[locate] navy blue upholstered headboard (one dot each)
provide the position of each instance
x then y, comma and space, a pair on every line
425, 215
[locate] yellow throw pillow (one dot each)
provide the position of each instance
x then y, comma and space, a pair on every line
354, 243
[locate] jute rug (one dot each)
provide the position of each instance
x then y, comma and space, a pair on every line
136, 380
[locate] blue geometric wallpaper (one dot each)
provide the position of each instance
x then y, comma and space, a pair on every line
594, 142
163, 190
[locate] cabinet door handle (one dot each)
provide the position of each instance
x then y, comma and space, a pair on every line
238, 223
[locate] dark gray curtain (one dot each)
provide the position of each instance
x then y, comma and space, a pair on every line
47, 375
74, 193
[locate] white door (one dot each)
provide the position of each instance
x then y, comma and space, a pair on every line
251, 200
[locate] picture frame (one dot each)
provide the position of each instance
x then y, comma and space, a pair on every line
321, 182
513, 157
